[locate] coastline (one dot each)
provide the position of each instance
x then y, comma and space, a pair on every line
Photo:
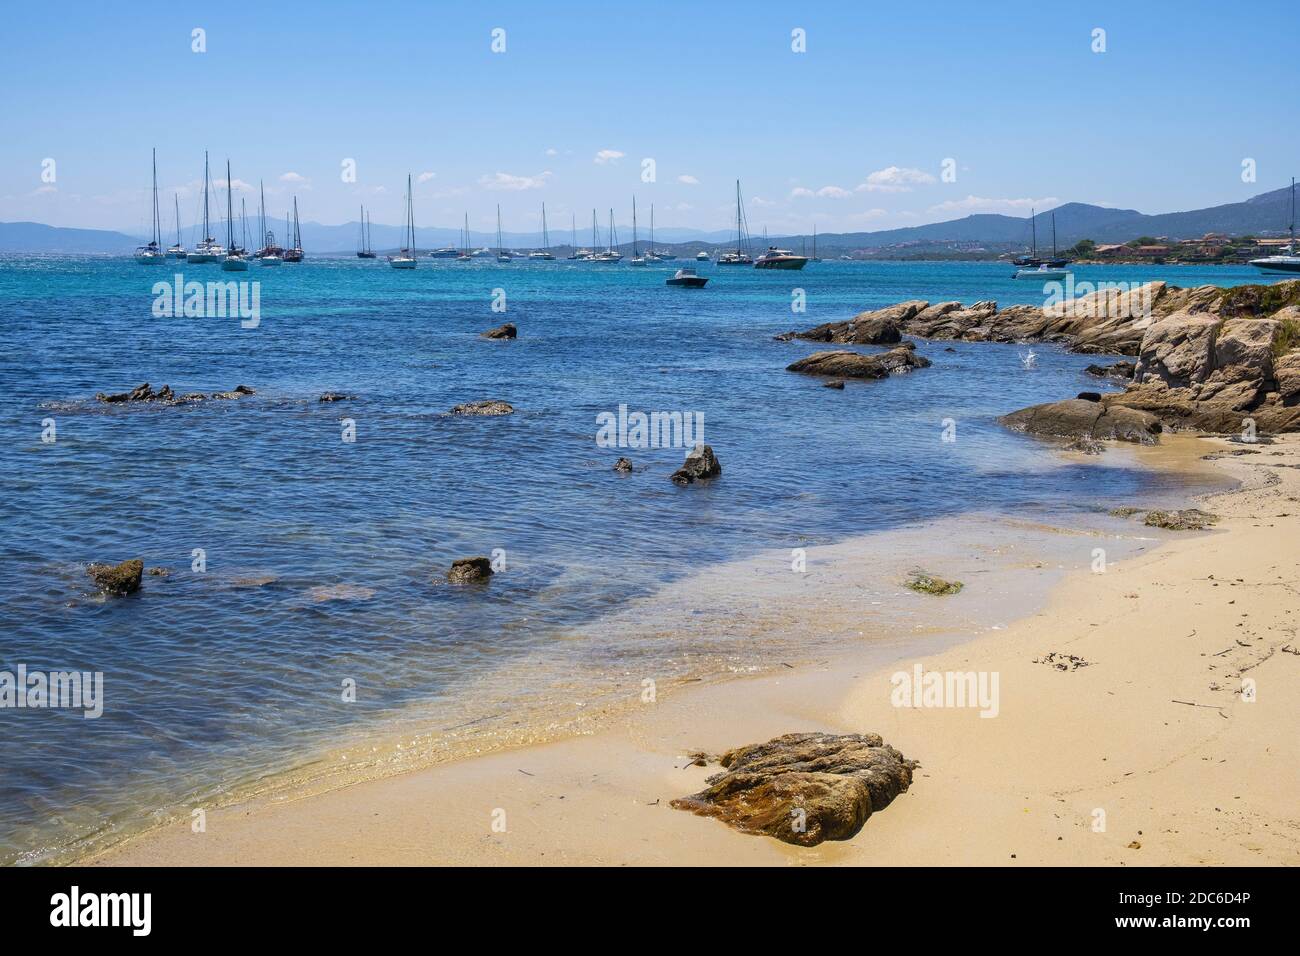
1203, 782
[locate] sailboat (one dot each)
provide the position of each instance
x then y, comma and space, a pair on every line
814, 255
405, 258
611, 253
1033, 267
741, 256
1287, 261
365, 252
294, 253
152, 254
234, 260
589, 255
270, 254
545, 251
573, 226
177, 251
466, 255
207, 249
657, 255
637, 259
502, 255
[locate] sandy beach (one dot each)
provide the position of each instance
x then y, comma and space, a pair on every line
1140, 748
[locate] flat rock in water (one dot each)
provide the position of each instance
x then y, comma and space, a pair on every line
470, 570
507, 331
117, 579
334, 397
834, 383
845, 364
486, 407
1079, 418
804, 788
700, 463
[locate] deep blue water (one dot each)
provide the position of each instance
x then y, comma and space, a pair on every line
210, 684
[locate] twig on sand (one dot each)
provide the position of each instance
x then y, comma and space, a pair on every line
1194, 704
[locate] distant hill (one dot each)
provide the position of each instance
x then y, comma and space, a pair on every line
1265, 214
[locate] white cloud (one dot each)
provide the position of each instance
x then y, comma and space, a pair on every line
894, 179
424, 177
236, 185
826, 192
608, 156
801, 192
760, 201
981, 204
292, 177
686, 180
509, 182
552, 152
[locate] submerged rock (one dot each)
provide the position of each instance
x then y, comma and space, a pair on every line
845, 364
1189, 519
165, 395
835, 383
117, 579
930, 584
322, 593
507, 331
335, 397
160, 572
485, 407
804, 788
470, 571
623, 465
700, 463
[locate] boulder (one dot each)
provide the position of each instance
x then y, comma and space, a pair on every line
878, 327
700, 463
804, 788
470, 571
845, 364
930, 584
1115, 370
1178, 350
624, 466
485, 407
117, 579
1075, 418
507, 331
1189, 519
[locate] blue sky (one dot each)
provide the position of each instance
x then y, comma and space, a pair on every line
850, 135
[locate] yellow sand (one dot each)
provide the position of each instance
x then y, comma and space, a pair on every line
1154, 733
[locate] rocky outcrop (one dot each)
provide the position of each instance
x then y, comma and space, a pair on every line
165, 395
470, 571
1080, 418
804, 788
1189, 519
700, 464
117, 580
878, 327
846, 364
1119, 370
507, 331
485, 407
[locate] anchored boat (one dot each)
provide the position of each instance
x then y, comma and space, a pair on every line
1287, 261
405, 258
687, 278
152, 254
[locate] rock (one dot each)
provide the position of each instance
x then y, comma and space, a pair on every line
700, 464
334, 397
141, 393
160, 572
485, 407
1190, 519
1076, 418
1125, 511
117, 579
929, 584
623, 465
834, 383
1117, 370
470, 571
507, 331
1085, 445
879, 327
845, 364
804, 788
1089, 396
165, 395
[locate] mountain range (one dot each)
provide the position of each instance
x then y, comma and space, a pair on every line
1266, 214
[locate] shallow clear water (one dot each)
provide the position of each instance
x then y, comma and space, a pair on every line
214, 680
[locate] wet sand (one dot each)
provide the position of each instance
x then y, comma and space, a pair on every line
1153, 732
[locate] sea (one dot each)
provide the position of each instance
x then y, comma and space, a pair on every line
305, 633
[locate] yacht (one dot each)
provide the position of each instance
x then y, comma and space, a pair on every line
365, 252
611, 253
1043, 271
502, 255
686, 276
294, 253
776, 258
270, 254
741, 256
637, 259
465, 254
177, 251
702, 256
405, 258
1287, 261
543, 253
152, 254
207, 249
235, 261
1031, 264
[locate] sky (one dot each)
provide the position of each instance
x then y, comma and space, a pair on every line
851, 133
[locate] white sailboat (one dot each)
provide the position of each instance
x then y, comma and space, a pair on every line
543, 253
637, 259
207, 249
741, 256
406, 257
502, 255
152, 254
177, 251
466, 255
611, 253
234, 260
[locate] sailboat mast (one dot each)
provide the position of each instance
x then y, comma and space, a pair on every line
230, 213
1053, 235
1033, 226
177, 200
546, 236
635, 253
207, 232
157, 222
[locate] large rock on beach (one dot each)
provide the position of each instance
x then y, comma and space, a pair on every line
117, 579
700, 464
1080, 418
804, 788
846, 364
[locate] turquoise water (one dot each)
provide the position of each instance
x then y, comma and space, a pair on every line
216, 679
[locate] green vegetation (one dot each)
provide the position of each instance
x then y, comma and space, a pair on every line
929, 584
1081, 249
